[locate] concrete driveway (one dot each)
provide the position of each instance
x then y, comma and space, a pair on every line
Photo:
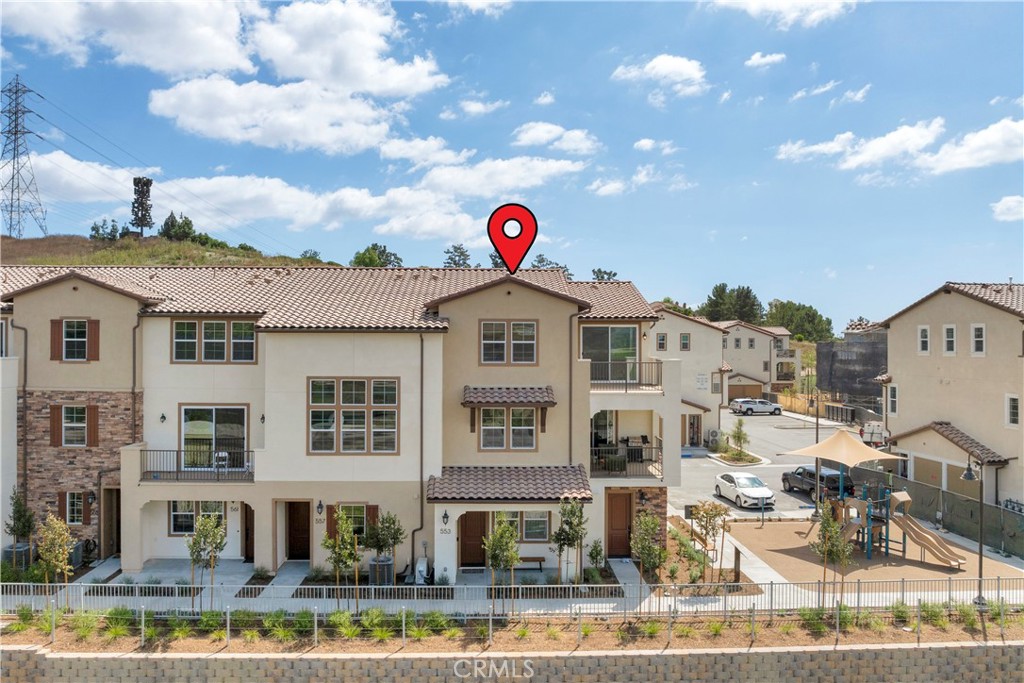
769, 436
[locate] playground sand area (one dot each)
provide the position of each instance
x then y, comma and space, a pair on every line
784, 547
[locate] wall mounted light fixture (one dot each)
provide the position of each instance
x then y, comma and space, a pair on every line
320, 508
163, 418
263, 418
91, 498
643, 498
445, 518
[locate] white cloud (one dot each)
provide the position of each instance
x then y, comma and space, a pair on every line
575, 141
1008, 209
815, 91
63, 178
851, 97
545, 98
220, 168
1002, 142
763, 61
342, 46
684, 77
292, 116
788, 13
904, 143
644, 175
432, 151
607, 188
831, 273
679, 183
657, 99
173, 38
644, 144
495, 177
447, 115
648, 144
725, 97
756, 101
998, 99
489, 8
801, 151
479, 107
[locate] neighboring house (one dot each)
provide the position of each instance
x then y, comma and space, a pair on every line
697, 343
277, 398
760, 358
954, 383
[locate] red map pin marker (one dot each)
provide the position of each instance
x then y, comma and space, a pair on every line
511, 242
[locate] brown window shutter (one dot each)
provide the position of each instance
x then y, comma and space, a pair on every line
56, 425
371, 514
56, 340
86, 508
92, 426
62, 505
92, 340
332, 523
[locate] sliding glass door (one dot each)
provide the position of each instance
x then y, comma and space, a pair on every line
213, 436
612, 350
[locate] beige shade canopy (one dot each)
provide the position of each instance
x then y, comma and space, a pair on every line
845, 449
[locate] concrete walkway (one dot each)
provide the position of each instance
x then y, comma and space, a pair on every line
103, 570
291, 573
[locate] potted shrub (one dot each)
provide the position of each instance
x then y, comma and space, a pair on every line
20, 526
383, 537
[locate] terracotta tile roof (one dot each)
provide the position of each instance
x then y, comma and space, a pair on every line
508, 396
695, 405
1007, 297
861, 326
321, 296
725, 324
776, 330
660, 307
611, 300
966, 443
541, 484
725, 367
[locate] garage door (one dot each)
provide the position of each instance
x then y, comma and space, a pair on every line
744, 391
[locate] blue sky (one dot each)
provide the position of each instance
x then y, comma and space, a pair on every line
852, 156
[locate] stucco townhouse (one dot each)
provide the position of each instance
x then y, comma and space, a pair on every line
276, 398
760, 357
953, 387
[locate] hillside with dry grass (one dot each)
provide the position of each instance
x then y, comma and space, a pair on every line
76, 250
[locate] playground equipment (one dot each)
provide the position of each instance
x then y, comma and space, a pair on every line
872, 525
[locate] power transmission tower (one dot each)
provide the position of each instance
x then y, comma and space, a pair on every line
20, 195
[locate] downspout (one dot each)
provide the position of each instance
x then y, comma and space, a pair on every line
572, 363
24, 410
423, 492
134, 354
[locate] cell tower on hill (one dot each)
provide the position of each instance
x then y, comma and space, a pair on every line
20, 194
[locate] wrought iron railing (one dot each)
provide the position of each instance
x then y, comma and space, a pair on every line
196, 465
625, 375
626, 461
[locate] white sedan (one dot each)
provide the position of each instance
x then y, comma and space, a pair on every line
749, 406
744, 489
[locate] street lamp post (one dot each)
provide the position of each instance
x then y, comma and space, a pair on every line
817, 461
969, 475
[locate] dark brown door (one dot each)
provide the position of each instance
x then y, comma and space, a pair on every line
298, 531
472, 527
619, 523
249, 548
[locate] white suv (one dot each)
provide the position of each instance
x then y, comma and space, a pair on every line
749, 406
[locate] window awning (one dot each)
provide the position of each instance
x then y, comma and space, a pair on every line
536, 397
516, 484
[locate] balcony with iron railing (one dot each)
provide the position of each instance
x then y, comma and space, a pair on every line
196, 465
625, 375
627, 461
785, 353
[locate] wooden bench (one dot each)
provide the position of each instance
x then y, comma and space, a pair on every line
539, 559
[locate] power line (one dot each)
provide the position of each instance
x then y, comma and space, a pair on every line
20, 194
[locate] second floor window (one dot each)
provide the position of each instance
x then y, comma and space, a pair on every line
503, 429
750, 342
737, 343
684, 341
949, 339
213, 341
977, 340
353, 415
1012, 410
73, 425
508, 341
892, 395
662, 341
75, 339
923, 341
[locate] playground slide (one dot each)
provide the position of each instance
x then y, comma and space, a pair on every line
927, 540
849, 529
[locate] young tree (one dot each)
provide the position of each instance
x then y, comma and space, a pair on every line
376, 256
831, 547
502, 549
55, 543
645, 542
21, 524
342, 552
738, 436
572, 529
602, 274
383, 537
104, 231
709, 516
456, 256
205, 546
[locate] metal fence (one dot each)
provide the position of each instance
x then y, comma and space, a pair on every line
511, 601
1004, 528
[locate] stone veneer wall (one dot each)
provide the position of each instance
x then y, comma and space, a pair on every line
657, 505
996, 663
52, 469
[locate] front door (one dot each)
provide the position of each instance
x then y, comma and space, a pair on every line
111, 520
298, 531
694, 432
472, 527
249, 544
620, 519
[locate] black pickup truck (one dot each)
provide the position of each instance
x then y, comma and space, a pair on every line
802, 479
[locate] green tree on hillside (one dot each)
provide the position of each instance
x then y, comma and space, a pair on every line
456, 256
738, 303
799, 319
602, 274
376, 256
542, 261
674, 305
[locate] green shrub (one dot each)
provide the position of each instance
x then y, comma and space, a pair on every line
120, 616
696, 574
152, 633
211, 621
115, 631
318, 573
382, 634
250, 635
303, 622
35, 573
685, 631
968, 615
786, 629
592, 575
673, 572
418, 632
181, 631
261, 573
528, 581
452, 633
272, 620
84, 624
845, 617
586, 629
552, 633
650, 629
339, 619
243, 619
999, 611
373, 618
154, 581
218, 635
872, 623
482, 632
522, 632
715, 628
282, 634
9, 573
622, 634
932, 613
813, 619
436, 621
350, 632
182, 581
900, 612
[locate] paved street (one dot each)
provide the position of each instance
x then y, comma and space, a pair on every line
769, 436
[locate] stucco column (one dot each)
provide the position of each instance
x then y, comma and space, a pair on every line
263, 532
446, 551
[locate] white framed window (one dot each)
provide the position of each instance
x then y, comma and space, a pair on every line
76, 334
183, 517
322, 392
353, 415
725, 342
978, 339
524, 430
524, 342
510, 517
737, 343
212, 508
716, 384
73, 420
384, 421
353, 392
923, 340
353, 431
322, 424
778, 344
492, 428
751, 343
215, 341
662, 340
356, 515
892, 397
765, 366
186, 341
1012, 410
75, 507
492, 342
536, 526
243, 342
949, 340
684, 341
